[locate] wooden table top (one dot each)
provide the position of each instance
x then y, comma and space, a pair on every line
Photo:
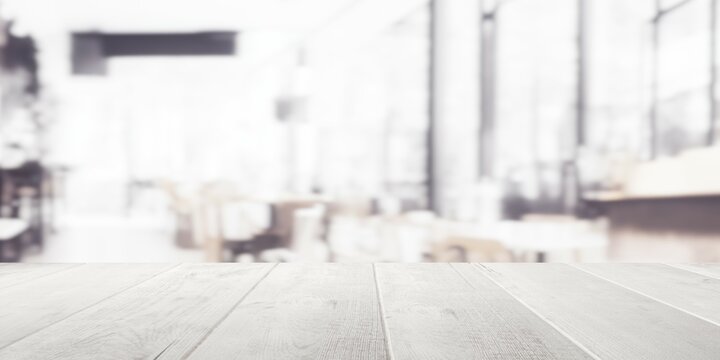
360, 311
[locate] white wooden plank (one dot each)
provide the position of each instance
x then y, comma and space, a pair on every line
435, 311
14, 274
691, 292
611, 321
304, 311
32, 306
168, 314
710, 269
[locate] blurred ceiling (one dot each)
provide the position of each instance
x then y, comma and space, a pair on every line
269, 30
189, 15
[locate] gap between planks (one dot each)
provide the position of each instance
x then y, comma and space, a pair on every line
646, 295
542, 317
73, 266
381, 307
694, 271
89, 306
224, 317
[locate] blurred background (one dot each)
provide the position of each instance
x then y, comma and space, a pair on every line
359, 130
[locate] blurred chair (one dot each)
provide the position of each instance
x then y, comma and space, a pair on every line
182, 210
11, 233
407, 237
307, 235
556, 238
280, 234
354, 239
245, 228
23, 195
460, 249
284, 219
387, 206
398, 238
308, 232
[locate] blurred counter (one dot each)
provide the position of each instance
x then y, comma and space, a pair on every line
668, 209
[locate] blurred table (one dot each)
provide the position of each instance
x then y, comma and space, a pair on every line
538, 238
542, 246
207, 209
360, 311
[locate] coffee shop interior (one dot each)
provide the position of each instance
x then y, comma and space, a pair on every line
359, 131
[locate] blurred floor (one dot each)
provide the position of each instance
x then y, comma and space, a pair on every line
107, 238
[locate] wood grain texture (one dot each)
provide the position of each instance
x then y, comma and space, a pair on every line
14, 274
359, 311
303, 311
34, 305
710, 270
443, 311
697, 294
167, 315
611, 321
